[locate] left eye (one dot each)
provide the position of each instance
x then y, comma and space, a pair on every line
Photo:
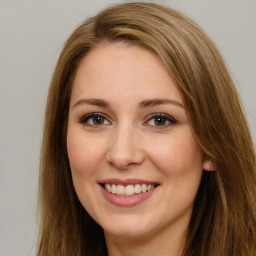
160, 120
94, 119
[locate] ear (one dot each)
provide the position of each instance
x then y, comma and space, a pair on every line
209, 166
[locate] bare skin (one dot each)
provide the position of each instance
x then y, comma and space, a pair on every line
128, 126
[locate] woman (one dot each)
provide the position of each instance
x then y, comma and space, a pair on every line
146, 150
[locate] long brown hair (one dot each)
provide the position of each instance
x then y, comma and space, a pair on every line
223, 221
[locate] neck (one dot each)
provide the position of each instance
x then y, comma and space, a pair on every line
164, 243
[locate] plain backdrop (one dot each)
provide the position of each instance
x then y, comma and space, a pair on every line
32, 34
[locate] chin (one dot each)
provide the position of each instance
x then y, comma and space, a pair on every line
128, 229
130, 233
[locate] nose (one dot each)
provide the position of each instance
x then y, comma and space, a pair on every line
125, 148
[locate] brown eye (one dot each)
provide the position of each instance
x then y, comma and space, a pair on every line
98, 120
160, 120
94, 119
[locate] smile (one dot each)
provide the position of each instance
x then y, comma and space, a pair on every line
128, 190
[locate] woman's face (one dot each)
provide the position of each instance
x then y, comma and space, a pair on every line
135, 163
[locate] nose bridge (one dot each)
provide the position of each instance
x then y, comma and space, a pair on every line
124, 149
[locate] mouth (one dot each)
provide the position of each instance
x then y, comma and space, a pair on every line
128, 190
128, 187
127, 193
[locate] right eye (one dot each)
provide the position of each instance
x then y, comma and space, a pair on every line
94, 119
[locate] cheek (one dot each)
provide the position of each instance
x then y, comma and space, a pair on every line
84, 157
83, 153
177, 155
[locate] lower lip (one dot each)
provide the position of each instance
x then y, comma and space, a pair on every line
126, 201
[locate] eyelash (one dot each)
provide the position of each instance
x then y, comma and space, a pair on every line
85, 119
162, 116
171, 121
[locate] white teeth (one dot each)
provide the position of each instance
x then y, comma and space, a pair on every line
137, 189
128, 190
113, 189
149, 187
108, 187
144, 188
120, 189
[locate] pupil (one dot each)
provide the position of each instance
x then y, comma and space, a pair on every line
98, 120
160, 121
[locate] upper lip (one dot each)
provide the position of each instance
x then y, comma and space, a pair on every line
126, 182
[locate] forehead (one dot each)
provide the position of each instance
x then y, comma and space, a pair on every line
117, 69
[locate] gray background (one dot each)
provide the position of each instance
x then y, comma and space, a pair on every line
31, 36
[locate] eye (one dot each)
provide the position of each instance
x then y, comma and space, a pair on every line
94, 119
160, 120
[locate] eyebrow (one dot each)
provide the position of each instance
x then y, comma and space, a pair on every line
144, 104
95, 102
155, 102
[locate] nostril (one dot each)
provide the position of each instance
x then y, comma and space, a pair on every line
124, 159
